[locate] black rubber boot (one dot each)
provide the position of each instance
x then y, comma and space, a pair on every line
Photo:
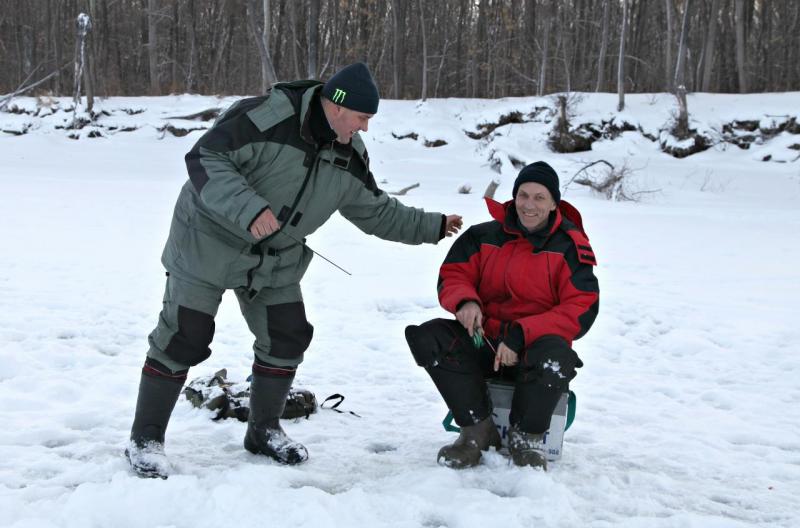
527, 449
265, 436
466, 450
145, 451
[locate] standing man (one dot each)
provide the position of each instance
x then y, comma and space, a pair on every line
269, 172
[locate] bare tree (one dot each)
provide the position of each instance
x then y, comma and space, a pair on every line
261, 36
710, 47
88, 70
83, 25
192, 55
223, 35
152, 45
601, 59
549, 19
681, 128
397, 17
740, 46
312, 35
442, 58
680, 67
668, 47
621, 61
424, 93
294, 42
4, 100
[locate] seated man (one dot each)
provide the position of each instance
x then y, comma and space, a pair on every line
522, 289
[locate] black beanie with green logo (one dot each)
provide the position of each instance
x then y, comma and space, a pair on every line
353, 87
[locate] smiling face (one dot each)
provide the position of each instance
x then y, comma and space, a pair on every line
345, 122
533, 204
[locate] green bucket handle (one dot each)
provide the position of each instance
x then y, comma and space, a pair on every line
572, 403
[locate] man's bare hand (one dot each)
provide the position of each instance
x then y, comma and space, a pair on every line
470, 317
453, 225
264, 225
505, 356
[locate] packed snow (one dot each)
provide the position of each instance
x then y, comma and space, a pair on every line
688, 405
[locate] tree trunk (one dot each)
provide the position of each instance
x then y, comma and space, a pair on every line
681, 130
565, 29
54, 30
395, 49
680, 67
441, 63
88, 70
261, 36
621, 61
601, 60
82, 26
174, 46
424, 94
481, 45
529, 59
293, 24
191, 25
549, 19
219, 50
740, 46
152, 46
277, 44
710, 47
312, 35
668, 48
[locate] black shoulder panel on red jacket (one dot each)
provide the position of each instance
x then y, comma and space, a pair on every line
581, 241
470, 242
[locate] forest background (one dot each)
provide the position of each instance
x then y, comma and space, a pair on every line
415, 48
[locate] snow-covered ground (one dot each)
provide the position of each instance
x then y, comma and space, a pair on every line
688, 406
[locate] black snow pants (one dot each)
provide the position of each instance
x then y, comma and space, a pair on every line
459, 370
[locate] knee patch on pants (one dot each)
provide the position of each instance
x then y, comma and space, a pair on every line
442, 343
189, 346
550, 362
422, 346
289, 331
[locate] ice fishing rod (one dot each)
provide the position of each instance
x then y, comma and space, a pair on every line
318, 254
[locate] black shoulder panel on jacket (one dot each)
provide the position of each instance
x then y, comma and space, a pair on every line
470, 242
491, 233
582, 275
234, 130
241, 107
347, 159
360, 170
582, 278
580, 241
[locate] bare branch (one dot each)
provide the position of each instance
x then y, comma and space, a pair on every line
610, 166
404, 190
491, 189
22, 89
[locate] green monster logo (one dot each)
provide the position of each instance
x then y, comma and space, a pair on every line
338, 96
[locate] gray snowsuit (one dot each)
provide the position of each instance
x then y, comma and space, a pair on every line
261, 153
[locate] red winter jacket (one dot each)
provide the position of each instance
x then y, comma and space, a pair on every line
542, 284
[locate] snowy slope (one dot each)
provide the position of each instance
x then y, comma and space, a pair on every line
688, 406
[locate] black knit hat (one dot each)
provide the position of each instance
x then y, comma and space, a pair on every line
539, 172
352, 87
